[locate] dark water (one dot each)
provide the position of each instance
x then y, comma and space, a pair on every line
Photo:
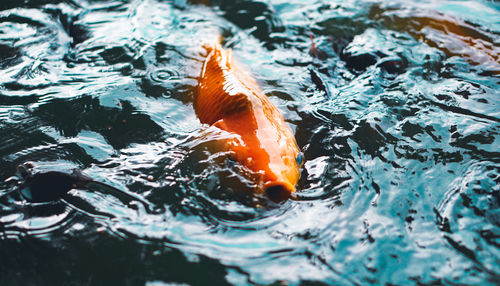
396, 109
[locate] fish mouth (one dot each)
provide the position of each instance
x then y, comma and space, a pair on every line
279, 191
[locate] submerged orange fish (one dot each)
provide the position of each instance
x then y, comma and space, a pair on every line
230, 99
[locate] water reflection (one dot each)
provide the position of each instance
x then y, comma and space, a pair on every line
395, 110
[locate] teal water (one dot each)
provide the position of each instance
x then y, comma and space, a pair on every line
396, 110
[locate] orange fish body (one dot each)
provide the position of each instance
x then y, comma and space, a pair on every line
230, 99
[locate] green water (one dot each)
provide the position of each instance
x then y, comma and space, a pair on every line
396, 109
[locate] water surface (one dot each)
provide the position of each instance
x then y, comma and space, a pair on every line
395, 106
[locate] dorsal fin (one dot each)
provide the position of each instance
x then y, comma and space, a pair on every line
221, 90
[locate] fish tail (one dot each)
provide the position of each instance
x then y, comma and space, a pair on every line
213, 44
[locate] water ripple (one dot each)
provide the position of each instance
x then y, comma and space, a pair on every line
394, 106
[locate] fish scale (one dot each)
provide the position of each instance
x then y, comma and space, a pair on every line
229, 98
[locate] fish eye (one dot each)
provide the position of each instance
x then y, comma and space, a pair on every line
299, 159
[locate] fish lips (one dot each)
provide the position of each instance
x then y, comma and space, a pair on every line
279, 191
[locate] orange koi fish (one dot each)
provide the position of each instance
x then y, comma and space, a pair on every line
230, 99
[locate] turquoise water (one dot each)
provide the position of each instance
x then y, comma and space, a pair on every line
395, 107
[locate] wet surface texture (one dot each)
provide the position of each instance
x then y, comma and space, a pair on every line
395, 107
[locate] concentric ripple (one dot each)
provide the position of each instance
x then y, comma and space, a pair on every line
395, 106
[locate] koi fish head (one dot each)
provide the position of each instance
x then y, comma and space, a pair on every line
267, 147
281, 176
278, 173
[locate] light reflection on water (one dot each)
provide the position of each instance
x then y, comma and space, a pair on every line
396, 113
